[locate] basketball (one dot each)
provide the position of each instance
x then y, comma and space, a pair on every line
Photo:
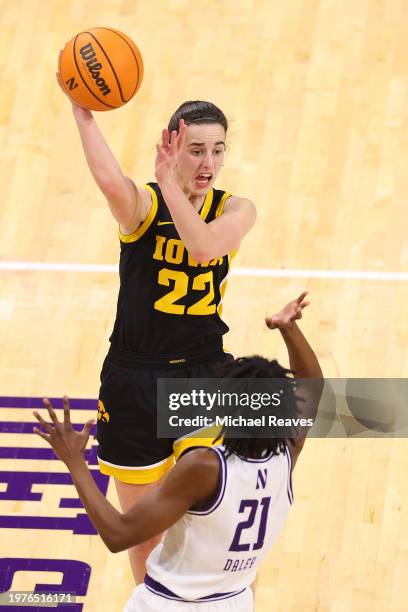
101, 69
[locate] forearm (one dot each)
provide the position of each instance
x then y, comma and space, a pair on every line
302, 358
195, 234
101, 161
305, 365
106, 519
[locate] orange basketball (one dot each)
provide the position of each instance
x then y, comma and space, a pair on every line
101, 68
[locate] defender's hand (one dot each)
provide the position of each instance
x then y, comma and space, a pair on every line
289, 314
67, 443
168, 151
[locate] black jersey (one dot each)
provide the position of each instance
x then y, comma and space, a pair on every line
169, 305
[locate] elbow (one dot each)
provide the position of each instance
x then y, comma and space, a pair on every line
115, 540
115, 544
200, 257
121, 538
114, 547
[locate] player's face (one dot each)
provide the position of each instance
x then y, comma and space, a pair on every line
201, 159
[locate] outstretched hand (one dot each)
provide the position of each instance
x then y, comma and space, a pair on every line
168, 151
289, 314
66, 443
79, 111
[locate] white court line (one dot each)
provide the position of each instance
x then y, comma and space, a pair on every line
260, 272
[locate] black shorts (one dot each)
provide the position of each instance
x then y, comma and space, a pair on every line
129, 448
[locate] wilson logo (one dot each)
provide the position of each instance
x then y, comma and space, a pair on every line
94, 67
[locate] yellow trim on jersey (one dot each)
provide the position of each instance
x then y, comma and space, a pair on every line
205, 209
179, 446
221, 204
218, 212
231, 255
223, 284
139, 476
142, 229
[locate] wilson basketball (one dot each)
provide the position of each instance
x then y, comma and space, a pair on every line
101, 69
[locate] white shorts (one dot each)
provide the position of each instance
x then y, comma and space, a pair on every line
143, 600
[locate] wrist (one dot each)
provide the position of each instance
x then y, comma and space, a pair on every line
289, 329
77, 463
81, 115
169, 182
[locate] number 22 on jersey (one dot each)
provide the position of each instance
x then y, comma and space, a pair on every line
181, 281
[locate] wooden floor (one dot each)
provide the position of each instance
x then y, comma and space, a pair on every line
317, 95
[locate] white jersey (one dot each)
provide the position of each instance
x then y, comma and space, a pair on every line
214, 553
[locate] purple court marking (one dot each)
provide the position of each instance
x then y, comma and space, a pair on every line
19, 483
79, 525
28, 426
12, 452
75, 579
37, 402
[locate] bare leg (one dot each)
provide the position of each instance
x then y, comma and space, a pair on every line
128, 495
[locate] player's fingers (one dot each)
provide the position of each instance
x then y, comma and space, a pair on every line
181, 134
43, 423
173, 142
67, 418
59, 81
42, 434
161, 150
88, 427
304, 304
165, 138
302, 296
51, 412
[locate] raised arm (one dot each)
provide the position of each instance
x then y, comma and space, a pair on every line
160, 508
302, 359
129, 204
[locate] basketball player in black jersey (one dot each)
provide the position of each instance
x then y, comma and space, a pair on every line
177, 239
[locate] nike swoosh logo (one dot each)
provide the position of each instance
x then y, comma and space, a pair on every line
165, 223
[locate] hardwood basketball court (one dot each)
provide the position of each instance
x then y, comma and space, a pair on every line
316, 92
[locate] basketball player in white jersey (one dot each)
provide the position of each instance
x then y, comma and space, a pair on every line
221, 508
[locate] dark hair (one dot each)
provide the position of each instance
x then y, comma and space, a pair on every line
257, 367
198, 112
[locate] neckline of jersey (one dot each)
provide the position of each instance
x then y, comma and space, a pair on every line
205, 208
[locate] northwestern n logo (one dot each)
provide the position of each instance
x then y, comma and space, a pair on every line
72, 84
261, 478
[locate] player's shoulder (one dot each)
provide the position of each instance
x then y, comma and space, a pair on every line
200, 457
199, 467
234, 203
152, 199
